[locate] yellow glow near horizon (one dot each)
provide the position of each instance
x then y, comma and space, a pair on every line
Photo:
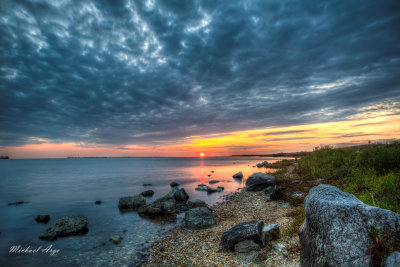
257, 141
201, 154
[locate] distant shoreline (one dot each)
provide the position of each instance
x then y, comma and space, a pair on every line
290, 154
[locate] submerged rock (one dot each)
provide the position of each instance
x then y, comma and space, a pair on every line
238, 175
42, 218
17, 203
209, 189
244, 231
116, 239
131, 203
213, 182
66, 226
199, 218
337, 226
98, 202
258, 181
147, 193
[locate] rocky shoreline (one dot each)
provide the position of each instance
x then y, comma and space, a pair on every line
187, 247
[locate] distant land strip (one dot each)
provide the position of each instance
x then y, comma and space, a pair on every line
290, 154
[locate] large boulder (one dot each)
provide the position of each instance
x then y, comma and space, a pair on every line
258, 181
131, 203
199, 218
336, 231
243, 231
66, 226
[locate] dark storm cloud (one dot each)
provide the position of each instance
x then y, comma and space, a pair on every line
142, 72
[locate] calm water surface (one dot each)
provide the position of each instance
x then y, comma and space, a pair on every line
63, 187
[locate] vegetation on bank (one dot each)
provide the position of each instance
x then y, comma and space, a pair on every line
370, 172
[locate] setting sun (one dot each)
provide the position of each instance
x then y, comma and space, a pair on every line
201, 154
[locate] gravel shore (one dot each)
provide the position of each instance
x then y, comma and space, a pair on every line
184, 247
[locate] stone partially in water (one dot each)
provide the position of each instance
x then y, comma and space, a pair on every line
196, 203
66, 226
258, 181
116, 239
147, 193
131, 203
42, 218
238, 175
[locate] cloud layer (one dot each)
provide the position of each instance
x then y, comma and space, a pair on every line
153, 72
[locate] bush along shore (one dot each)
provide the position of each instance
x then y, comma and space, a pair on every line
333, 207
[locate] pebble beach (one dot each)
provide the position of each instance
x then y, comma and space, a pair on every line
187, 247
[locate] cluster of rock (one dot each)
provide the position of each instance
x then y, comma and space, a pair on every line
203, 187
337, 226
262, 164
171, 203
247, 239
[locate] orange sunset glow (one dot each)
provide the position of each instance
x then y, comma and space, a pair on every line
256, 141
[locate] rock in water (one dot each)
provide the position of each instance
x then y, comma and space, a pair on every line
66, 226
337, 227
167, 204
199, 218
42, 218
238, 175
131, 203
98, 202
173, 184
213, 181
240, 232
196, 203
262, 164
249, 252
147, 193
258, 181
116, 239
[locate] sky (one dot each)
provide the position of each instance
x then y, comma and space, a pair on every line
176, 78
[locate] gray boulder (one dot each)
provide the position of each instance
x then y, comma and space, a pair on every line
262, 164
238, 175
337, 227
243, 231
131, 203
42, 218
258, 181
199, 218
66, 226
196, 203
249, 252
